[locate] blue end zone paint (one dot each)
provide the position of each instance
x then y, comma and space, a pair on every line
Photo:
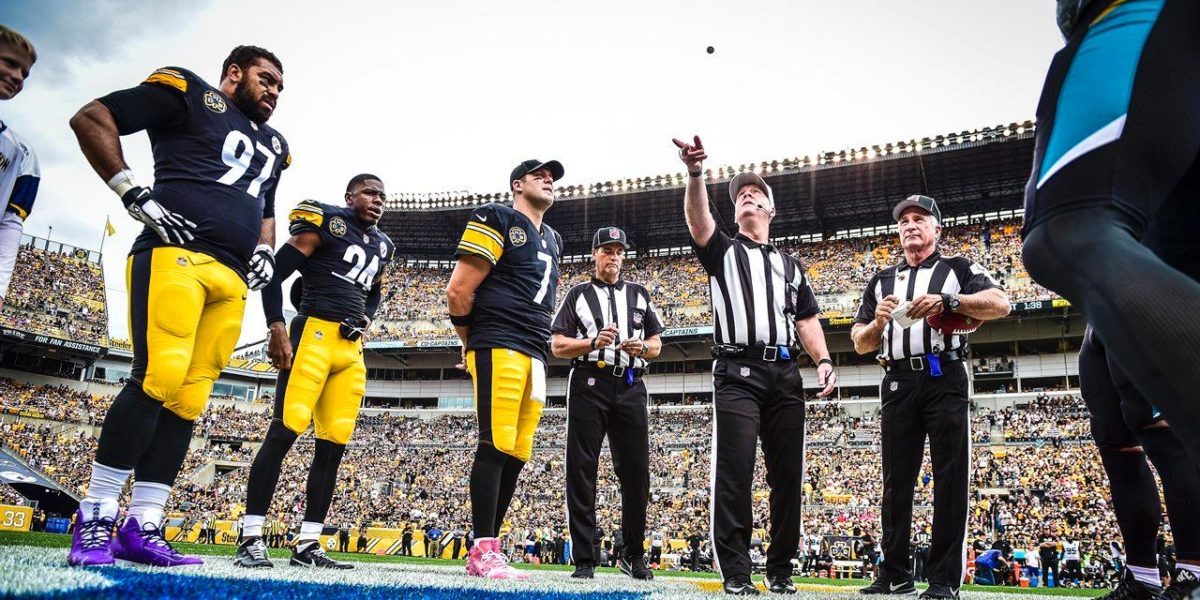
163, 584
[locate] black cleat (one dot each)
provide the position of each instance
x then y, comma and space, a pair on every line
740, 585
636, 568
883, 586
584, 570
939, 591
252, 554
313, 557
781, 584
1183, 585
1131, 589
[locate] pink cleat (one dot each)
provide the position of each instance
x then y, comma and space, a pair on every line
485, 560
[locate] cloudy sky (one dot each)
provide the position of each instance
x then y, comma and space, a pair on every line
449, 95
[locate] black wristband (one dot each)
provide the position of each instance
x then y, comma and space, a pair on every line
824, 361
462, 320
594, 342
695, 174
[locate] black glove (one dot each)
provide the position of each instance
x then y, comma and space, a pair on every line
353, 329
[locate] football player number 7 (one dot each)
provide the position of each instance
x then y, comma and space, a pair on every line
237, 154
544, 258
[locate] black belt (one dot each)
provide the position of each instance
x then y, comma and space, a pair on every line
919, 363
765, 353
607, 369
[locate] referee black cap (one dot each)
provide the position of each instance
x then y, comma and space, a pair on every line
925, 203
609, 235
528, 166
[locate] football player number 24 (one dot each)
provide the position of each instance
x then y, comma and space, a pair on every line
360, 272
237, 154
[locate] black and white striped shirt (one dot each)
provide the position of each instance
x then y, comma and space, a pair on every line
937, 274
589, 307
757, 292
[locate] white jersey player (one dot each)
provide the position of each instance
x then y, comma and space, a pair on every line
19, 174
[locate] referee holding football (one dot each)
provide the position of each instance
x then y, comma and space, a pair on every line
925, 391
609, 328
762, 306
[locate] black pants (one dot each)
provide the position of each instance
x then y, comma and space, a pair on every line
343, 544
916, 405
756, 399
600, 404
920, 558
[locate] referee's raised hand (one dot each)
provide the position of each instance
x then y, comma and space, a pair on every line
693, 155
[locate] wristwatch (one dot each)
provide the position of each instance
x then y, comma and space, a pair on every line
950, 302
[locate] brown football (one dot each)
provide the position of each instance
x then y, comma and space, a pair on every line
953, 323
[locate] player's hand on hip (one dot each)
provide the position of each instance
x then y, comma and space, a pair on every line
883, 312
462, 364
262, 267
279, 347
693, 154
924, 305
827, 377
171, 226
607, 336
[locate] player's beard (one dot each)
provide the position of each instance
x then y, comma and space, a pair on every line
245, 100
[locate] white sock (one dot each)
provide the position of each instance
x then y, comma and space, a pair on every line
1146, 575
1193, 569
103, 490
310, 533
149, 500
252, 525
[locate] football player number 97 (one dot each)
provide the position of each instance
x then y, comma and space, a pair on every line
237, 154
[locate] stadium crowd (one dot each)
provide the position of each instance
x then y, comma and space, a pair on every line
404, 471
838, 270
57, 293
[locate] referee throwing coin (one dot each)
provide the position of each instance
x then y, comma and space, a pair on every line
762, 308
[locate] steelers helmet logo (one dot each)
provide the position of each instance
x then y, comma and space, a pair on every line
276, 145
516, 235
214, 102
337, 226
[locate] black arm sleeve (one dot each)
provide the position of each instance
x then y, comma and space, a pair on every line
143, 107
287, 259
373, 298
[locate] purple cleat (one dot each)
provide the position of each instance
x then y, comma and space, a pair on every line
145, 545
92, 542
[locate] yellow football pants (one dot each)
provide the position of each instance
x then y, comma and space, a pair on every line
508, 416
185, 316
326, 383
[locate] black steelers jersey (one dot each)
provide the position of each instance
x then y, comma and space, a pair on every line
343, 268
217, 168
513, 305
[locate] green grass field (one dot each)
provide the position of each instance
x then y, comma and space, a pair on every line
50, 540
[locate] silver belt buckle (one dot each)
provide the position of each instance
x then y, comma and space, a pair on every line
770, 353
619, 371
917, 363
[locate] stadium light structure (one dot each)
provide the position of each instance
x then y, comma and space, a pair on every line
430, 201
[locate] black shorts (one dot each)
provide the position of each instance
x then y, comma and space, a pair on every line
1118, 123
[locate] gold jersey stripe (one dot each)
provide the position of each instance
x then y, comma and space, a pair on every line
477, 251
167, 79
485, 241
486, 229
